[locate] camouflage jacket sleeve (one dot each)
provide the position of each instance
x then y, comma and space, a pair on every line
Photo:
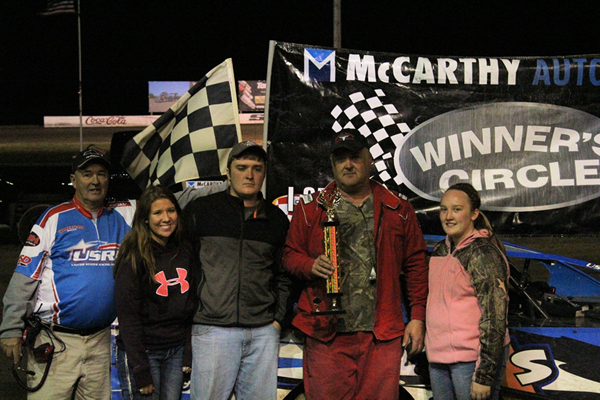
489, 276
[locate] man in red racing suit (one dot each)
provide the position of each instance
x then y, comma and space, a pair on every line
358, 362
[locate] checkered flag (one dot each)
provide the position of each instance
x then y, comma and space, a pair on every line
192, 139
374, 119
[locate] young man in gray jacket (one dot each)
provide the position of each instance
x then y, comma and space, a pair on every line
244, 293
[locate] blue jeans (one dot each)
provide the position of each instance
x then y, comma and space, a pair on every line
234, 360
166, 367
453, 381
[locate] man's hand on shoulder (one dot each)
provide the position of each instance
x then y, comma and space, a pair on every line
12, 348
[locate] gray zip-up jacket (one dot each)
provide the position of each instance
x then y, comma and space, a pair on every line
243, 282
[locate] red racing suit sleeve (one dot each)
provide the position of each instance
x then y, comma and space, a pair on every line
415, 266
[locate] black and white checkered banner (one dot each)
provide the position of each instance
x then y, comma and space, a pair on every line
372, 115
193, 138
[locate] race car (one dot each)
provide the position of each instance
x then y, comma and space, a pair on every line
554, 325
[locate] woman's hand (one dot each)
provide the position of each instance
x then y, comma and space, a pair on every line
479, 391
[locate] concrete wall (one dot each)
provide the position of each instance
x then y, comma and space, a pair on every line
36, 145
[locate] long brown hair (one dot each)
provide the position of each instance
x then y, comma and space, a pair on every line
481, 222
136, 247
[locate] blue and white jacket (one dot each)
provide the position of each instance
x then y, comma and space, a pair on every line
65, 270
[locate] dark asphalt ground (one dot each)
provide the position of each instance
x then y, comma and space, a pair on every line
587, 249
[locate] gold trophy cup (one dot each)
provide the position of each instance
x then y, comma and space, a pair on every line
330, 201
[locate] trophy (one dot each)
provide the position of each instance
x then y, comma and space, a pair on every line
330, 201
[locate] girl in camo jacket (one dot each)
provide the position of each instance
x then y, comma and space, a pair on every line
467, 337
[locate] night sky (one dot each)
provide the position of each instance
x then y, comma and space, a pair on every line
125, 43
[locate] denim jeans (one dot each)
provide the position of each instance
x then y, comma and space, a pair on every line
453, 381
166, 367
234, 360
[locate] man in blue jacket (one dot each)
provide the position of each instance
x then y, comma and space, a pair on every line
64, 277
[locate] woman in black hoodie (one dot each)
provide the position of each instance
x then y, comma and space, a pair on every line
155, 281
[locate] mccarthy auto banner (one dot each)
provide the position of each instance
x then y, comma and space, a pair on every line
525, 131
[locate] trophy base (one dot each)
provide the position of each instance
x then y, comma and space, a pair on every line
335, 305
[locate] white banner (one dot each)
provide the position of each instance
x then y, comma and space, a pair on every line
127, 121
94, 121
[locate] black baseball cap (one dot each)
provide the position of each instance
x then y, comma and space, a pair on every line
242, 147
91, 154
350, 139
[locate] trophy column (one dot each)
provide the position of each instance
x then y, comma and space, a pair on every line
331, 251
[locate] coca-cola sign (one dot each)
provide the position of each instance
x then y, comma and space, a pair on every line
112, 120
93, 121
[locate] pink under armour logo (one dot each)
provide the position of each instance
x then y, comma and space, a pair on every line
163, 289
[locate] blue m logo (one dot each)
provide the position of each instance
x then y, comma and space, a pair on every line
319, 65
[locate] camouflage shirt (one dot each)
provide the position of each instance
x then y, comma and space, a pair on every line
357, 260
